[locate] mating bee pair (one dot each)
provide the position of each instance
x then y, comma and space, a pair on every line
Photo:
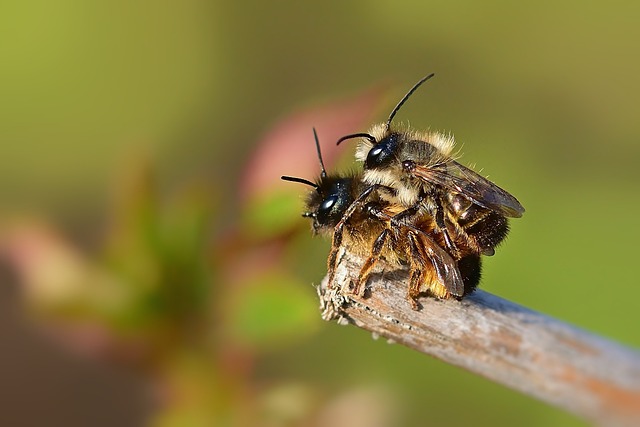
412, 205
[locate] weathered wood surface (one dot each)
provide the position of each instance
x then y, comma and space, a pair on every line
592, 377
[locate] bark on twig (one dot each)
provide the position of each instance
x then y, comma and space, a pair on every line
555, 362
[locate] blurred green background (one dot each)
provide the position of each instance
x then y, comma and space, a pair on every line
126, 129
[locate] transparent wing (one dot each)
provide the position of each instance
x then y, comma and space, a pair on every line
445, 267
480, 190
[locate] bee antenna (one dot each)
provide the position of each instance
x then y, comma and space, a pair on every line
358, 135
300, 180
323, 172
404, 98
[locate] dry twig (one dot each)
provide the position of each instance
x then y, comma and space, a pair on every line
558, 363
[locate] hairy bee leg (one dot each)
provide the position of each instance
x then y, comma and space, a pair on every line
336, 242
440, 222
410, 166
414, 286
479, 229
407, 213
365, 271
417, 271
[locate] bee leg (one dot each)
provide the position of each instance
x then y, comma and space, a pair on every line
397, 219
439, 219
414, 290
336, 242
361, 282
416, 271
440, 222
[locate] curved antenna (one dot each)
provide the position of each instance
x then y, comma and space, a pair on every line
323, 172
404, 98
300, 180
358, 135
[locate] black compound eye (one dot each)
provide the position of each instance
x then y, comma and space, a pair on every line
328, 213
331, 208
382, 153
375, 152
373, 158
328, 203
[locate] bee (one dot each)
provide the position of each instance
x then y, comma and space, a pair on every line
363, 222
419, 171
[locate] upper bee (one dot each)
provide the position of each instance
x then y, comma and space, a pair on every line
415, 165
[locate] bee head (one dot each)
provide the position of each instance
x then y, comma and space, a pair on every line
329, 202
330, 198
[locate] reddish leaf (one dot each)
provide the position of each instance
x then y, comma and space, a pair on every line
288, 148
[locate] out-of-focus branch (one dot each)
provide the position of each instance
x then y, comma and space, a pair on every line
558, 363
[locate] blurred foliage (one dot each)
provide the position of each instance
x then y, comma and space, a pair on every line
177, 269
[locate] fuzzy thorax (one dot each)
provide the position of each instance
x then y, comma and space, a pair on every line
424, 148
406, 192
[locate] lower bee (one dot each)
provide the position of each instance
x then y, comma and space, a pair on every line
362, 221
420, 173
